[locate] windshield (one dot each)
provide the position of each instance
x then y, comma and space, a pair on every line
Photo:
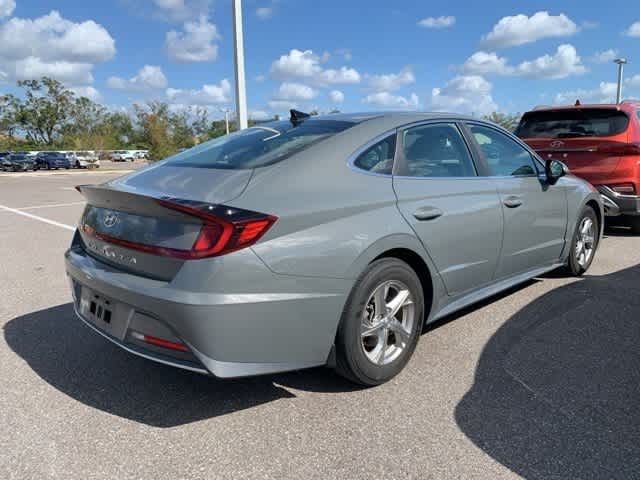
594, 122
259, 146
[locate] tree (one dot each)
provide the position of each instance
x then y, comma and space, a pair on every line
506, 121
9, 110
45, 109
153, 119
182, 135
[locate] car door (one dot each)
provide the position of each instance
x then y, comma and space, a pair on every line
455, 213
535, 212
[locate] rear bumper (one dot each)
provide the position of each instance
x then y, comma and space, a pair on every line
616, 204
289, 326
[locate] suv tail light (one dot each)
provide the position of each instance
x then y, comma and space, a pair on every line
619, 149
624, 188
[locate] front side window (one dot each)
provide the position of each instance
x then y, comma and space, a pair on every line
435, 150
258, 146
504, 156
379, 157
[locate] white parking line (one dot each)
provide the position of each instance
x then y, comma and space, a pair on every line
35, 207
35, 217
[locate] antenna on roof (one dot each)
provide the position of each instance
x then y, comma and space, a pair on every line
297, 117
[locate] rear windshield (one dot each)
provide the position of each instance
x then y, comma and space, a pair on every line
258, 146
595, 122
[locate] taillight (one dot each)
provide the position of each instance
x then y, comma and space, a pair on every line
619, 149
224, 230
624, 188
160, 342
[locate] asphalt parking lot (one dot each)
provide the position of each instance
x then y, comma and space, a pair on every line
541, 382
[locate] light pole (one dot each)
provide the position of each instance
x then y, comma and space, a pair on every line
620, 62
238, 47
226, 118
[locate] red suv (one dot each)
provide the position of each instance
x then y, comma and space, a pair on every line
600, 143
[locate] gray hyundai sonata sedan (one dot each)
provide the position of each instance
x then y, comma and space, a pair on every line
328, 240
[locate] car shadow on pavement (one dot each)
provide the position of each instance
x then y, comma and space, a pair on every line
557, 388
83, 365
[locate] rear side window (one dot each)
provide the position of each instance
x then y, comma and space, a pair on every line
259, 146
435, 150
504, 156
574, 123
379, 157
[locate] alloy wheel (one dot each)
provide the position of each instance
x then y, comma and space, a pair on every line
585, 244
388, 321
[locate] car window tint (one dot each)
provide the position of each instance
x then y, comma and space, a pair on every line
379, 157
436, 150
504, 156
259, 145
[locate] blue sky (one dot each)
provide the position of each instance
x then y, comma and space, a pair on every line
351, 54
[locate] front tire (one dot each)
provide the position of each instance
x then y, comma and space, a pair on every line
584, 242
381, 323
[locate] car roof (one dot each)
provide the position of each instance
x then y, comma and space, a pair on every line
626, 106
390, 117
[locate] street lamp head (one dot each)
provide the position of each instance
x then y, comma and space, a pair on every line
620, 61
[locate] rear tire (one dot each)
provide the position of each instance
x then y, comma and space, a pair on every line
381, 323
584, 242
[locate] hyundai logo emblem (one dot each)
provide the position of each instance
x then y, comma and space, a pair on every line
557, 144
110, 220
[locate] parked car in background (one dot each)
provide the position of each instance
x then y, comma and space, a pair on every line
52, 160
142, 154
122, 156
599, 143
17, 162
322, 240
85, 160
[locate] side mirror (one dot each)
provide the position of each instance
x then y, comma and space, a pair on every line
554, 169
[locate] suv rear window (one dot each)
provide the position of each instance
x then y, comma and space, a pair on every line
594, 122
259, 146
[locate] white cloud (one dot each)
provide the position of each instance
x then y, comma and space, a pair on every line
149, 77
53, 46
281, 105
633, 30
563, 63
633, 82
305, 65
336, 96
605, 93
295, 91
181, 10
195, 44
207, 95
7, 7
260, 115
464, 94
437, 22
391, 81
388, 100
89, 92
482, 63
604, 56
264, 13
345, 53
520, 29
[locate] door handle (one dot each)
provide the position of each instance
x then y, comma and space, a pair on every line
427, 213
512, 202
